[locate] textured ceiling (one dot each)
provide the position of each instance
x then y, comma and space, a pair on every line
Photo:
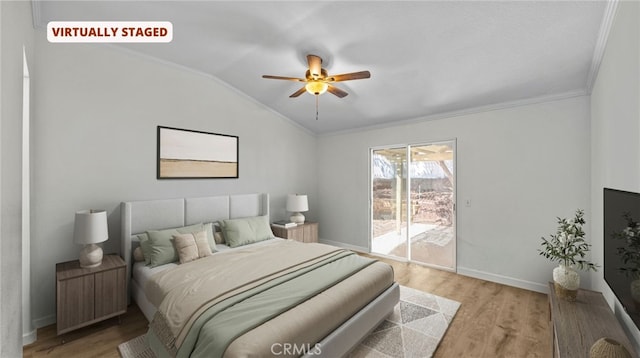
426, 58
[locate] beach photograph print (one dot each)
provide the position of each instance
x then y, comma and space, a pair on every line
187, 154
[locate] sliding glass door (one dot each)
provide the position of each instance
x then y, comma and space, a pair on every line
388, 209
413, 203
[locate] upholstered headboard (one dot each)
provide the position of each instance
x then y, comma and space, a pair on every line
140, 216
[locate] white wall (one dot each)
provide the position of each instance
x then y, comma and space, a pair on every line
15, 31
96, 109
615, 135
520, 167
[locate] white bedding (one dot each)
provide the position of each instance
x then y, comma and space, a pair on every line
142, 273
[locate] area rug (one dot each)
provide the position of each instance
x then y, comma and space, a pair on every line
414, 329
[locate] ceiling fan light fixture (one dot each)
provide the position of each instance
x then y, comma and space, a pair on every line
316, 87
317, 81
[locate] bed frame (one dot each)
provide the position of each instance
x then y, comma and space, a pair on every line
139, 216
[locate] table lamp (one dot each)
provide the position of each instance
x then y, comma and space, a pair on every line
90, 228
296, 204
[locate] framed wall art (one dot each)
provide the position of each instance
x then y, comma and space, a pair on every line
189, 154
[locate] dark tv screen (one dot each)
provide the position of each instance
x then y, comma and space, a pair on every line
620, 209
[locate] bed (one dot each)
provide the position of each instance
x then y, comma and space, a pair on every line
328, 322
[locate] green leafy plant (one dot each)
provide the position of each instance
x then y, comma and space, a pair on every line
630, 254
567, 246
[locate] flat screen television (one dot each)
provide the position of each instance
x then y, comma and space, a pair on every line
622, 248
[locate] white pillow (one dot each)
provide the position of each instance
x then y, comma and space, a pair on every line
192, 246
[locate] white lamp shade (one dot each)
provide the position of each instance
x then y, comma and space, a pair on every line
297, 203
90, 227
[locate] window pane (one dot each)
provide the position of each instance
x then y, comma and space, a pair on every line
389, 224
432, 229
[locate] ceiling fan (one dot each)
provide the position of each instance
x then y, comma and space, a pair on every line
318, 80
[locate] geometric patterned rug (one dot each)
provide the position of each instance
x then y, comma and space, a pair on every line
136, 348
414, 329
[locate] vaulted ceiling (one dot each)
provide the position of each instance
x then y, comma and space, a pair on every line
427, 59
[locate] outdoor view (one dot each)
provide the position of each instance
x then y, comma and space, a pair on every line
429, 217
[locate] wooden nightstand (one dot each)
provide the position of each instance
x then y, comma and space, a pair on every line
307, 232
88, 295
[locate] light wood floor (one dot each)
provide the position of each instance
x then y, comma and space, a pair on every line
99, 340
493, 321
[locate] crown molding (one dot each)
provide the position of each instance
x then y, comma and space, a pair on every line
464, 112
601, 44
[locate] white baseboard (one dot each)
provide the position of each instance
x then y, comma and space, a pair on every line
29, 337
44, 321
344, 246
491, 277
505, 280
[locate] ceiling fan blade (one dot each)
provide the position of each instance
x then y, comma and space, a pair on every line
284, 78
336, 91
315, 65
349, 76
298, 92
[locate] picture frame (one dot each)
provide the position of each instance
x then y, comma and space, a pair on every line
191, 154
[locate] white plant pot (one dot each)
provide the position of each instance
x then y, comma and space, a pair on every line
566, 277
567, 282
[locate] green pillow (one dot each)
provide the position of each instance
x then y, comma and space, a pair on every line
238, 232
145, 246
221, 226
162, 250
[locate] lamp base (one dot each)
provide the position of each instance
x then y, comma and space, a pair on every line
91, 256
297, 218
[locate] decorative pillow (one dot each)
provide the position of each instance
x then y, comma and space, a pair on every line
192, 246
145, 246
218, 237
162, 250
138, 255
238, 232
222, 234
209, 229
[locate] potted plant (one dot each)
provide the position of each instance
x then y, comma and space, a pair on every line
630, 255
568, 248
